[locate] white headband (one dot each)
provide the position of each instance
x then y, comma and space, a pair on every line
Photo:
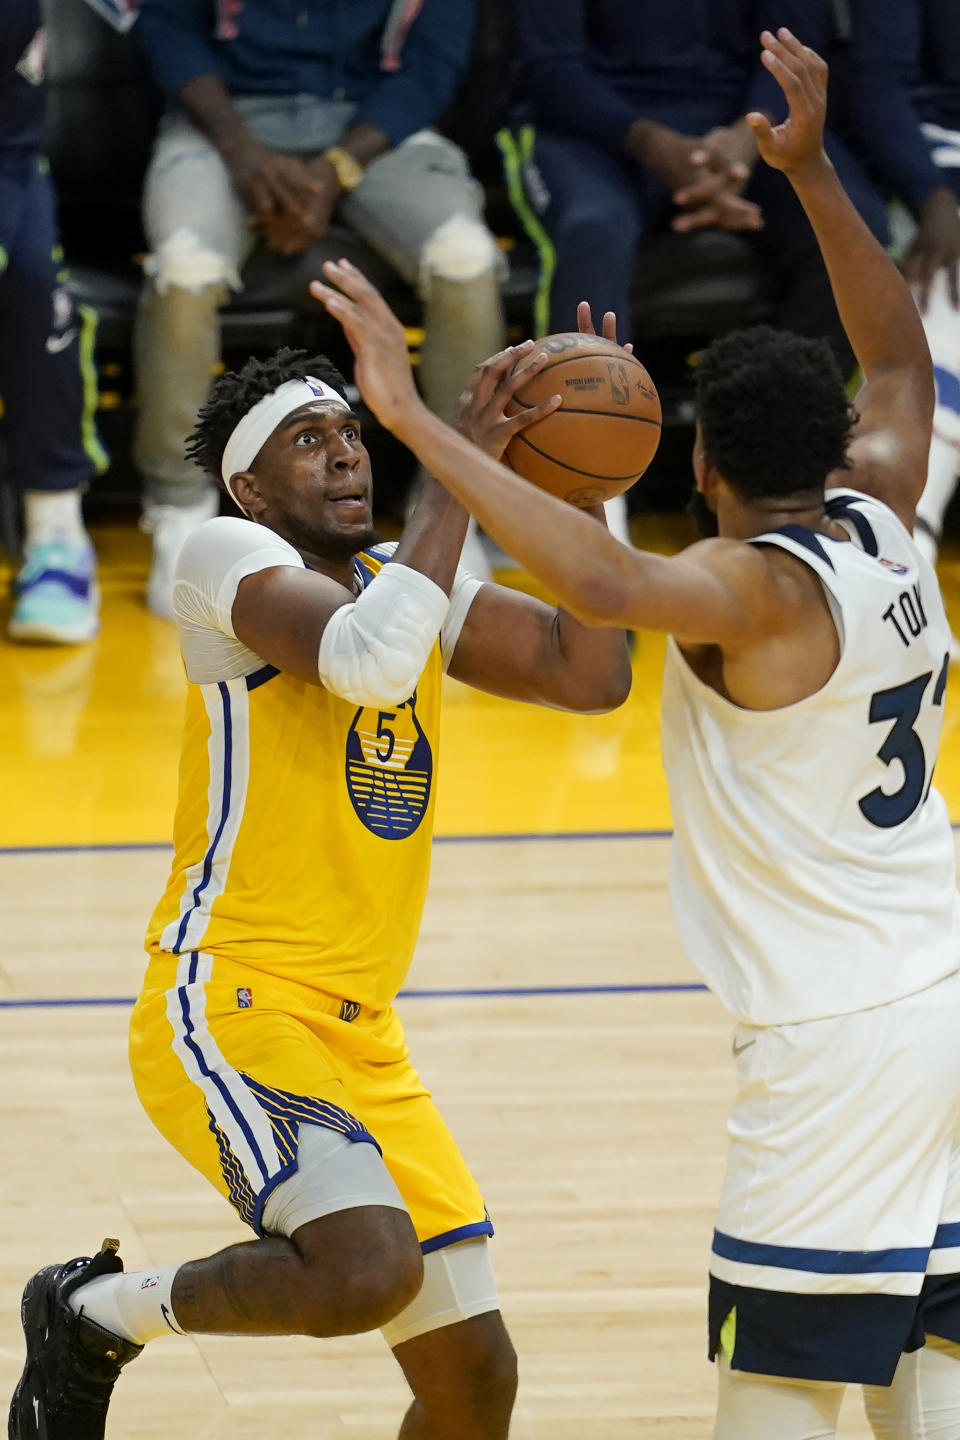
256, 427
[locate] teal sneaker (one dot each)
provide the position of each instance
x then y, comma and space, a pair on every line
57, 597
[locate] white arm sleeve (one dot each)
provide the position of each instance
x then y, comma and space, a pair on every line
213, 561
462, 596
374, 651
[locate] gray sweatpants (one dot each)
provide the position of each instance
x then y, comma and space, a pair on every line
417, 206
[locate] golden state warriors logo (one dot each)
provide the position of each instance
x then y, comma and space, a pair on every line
389, 769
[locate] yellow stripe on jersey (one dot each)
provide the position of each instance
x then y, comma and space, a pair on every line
302, 832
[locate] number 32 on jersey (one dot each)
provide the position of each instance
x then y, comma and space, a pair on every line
902, 705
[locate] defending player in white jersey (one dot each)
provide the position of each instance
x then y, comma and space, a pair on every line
813, 869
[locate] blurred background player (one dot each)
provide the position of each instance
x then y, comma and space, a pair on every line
813, 868
265, 1045
638, 114
905, 97
47, 379
278, 116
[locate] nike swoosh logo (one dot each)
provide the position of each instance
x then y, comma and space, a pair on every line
173, 1326
739, 1049
56, 343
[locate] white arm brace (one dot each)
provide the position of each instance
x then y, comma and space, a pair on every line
374, 651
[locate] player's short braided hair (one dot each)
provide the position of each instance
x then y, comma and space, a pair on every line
773, 412
235, 393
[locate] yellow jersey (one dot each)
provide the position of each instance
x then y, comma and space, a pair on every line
303, 828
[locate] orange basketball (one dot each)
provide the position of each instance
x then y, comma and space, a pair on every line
605, 433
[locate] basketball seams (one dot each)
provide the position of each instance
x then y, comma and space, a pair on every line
606, 393
590, 474
602, 414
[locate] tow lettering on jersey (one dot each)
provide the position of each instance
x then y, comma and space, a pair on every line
906, 614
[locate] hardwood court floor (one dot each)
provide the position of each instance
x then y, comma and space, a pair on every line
594, 1123
593, 1116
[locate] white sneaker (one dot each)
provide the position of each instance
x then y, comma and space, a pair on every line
170, 525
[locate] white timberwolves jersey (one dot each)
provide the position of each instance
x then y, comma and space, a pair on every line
812, 871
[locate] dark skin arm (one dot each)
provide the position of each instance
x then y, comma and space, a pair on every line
721, 592
280, 613
511, 645
892, 436
514, 645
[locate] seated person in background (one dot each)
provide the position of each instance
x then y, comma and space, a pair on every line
639, 110
46, 378
905, 101
279, 116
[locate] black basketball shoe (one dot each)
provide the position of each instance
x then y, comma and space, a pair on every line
72, 1363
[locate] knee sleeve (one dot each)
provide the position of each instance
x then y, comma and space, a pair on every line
461, 249
759, 1407
923, 1403
332, 1174
184, 262
458, 1283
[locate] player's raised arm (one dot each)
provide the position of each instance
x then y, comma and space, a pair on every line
698, 596
892, 437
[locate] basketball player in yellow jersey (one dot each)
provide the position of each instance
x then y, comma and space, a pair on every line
264, 1045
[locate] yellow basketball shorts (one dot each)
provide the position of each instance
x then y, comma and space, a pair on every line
229, 1062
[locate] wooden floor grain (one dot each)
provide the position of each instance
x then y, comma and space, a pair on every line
594, 1123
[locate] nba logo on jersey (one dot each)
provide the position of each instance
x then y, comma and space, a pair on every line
244, 997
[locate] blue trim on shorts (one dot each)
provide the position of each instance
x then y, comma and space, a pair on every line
450, 1237
261, 676
255, 1220
947, 1236
909, 1260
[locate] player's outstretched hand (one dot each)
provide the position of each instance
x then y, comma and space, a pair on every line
802, 77
481, 412
608, 325
382, 368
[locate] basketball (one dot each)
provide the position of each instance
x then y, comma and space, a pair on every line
604, 435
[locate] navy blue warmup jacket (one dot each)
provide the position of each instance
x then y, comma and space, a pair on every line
904, 71
592, 67
328, 48
22, 102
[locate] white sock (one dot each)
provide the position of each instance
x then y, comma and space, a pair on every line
923, 1403
136, 1307
51, 515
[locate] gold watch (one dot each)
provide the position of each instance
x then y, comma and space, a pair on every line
349, 171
